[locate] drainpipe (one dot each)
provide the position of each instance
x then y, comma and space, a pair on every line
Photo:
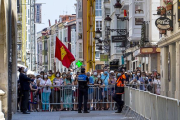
9, 117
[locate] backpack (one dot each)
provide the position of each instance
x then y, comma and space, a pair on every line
149, 87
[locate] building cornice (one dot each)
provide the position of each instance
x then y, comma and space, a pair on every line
165, 41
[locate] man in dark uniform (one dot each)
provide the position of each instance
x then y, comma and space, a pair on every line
83, 90
119, 90
25, 87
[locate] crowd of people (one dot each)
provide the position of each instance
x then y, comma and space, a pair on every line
59, 92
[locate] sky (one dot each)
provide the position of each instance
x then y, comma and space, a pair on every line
51, 9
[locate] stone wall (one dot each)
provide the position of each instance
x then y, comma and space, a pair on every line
4, 7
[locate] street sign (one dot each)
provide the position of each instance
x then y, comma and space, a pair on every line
164, 23
103, 57
114, 65
119, 38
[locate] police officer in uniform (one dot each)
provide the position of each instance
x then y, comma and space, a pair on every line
83, 90
119, 90
25, 88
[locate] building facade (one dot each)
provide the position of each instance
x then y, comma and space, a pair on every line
79, 33
170, 50
22, 35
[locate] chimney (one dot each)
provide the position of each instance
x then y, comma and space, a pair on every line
49, 23
56, 21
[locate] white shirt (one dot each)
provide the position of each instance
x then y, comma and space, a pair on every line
48, 82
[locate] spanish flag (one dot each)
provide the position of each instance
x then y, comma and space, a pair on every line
125, 13
63, 54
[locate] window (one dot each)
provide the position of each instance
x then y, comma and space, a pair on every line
139, 8
97, 54
80, 51
80, 27
98, 8
99, 25
139, 21
98, 66
121, 24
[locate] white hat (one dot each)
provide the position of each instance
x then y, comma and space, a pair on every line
111, 71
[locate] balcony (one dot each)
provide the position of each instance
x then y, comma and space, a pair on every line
125, 4
106, 4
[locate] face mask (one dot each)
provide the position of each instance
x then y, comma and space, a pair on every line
119, 74
105, 72
98, 76
64, 75
45, 76
138, 73
25, 70
49, 75
57, 75
95, 73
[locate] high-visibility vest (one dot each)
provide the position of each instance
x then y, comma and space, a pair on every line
120, 84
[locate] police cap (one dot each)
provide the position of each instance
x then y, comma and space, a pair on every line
82, 70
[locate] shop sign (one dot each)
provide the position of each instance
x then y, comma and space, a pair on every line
103, 57
114, 65
120, 38
178, 3
164, 23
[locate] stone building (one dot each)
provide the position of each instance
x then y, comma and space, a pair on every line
170, 55
8, 60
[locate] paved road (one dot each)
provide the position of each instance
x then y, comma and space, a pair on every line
70, 115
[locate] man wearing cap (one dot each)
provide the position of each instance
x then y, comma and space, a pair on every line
83, 81
119, 90
25, 87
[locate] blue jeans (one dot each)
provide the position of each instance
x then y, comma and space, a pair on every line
45, 100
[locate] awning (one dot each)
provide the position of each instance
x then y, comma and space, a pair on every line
144, 52
127, 54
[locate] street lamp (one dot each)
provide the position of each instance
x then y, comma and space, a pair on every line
108, 21
117, 7
98, 33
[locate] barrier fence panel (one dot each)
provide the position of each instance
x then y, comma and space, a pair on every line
153, 106
161, 107
66, 97
172, 109
127, 96
147, 105
141, 103
133, 99
137, 99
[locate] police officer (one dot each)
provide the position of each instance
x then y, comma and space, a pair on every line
119, 90
83, 90
25, 87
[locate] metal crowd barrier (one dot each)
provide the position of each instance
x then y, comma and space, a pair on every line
68, 96
146, 105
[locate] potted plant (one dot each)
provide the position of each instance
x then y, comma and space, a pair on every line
161, 10
162, 31
158, 11
169, 5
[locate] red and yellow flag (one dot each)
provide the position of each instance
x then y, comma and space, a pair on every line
63, 54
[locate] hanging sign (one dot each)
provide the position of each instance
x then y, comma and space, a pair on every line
164, 23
